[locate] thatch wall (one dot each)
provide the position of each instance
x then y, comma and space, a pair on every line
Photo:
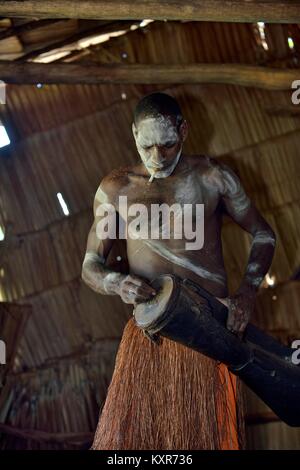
65, 139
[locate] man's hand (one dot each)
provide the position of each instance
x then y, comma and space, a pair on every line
134, 290
240, 308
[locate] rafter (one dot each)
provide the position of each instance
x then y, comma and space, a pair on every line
25, 27
76, 73
272, 11
96, 30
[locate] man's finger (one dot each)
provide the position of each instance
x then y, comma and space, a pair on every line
138, 293
142, 286
243, 327
146, 293
233, 325
134, 280
230, 321
148, 288
133, 299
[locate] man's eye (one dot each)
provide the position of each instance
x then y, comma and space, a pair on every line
169, 145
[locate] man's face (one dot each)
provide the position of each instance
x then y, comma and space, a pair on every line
159, 144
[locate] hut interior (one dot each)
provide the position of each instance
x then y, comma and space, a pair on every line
71, 86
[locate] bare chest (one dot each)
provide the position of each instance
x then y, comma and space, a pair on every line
185, 190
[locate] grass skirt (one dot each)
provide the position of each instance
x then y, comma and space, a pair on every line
169, 397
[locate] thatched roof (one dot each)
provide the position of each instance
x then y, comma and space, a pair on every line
65, 138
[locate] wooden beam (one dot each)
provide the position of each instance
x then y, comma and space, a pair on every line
75, 73
96, 30
24, 28
272, 11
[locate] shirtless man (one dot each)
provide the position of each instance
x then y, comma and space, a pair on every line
159, 131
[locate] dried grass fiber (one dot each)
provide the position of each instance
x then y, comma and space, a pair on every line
167, 397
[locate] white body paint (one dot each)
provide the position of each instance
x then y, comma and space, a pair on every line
253, 267
183, 261
263, 237
156, 131
110, 280
93, 257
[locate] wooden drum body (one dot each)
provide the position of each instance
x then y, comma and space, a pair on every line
184, 312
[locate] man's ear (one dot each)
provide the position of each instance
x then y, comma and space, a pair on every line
134, 130
183, 130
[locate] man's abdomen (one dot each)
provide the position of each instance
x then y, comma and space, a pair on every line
150, 258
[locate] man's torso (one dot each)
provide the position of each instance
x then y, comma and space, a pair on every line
194, 181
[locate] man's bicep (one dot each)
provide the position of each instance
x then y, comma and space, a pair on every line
238, 204
103, 231
97, 243
233, 195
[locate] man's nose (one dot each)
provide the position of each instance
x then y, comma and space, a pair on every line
156, 156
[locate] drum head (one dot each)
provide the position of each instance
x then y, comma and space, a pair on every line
148, 314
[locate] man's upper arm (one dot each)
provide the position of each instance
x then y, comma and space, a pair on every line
99, 241
237, 203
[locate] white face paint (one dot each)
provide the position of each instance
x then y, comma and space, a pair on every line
157, 142
156, 131
167, 171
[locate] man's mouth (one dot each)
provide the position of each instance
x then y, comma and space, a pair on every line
158, 168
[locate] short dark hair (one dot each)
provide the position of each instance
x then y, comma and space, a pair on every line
156, 104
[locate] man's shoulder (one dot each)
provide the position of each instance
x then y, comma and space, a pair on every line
116, 179
211, 171
202, 163
113, 183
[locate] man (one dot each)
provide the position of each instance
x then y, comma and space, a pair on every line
198, 393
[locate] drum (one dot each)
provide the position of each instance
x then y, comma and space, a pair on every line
181, 314
150, 315
185, 312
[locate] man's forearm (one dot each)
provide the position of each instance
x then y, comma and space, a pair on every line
260, 259
98, 277
242, 303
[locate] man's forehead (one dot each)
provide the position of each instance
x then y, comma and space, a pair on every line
158, 128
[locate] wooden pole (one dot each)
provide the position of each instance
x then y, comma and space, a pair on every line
272, 11
75, 73
26, 27
96, 30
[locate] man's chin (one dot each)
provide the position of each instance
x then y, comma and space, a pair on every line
166, 171
162, 172
159, 173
